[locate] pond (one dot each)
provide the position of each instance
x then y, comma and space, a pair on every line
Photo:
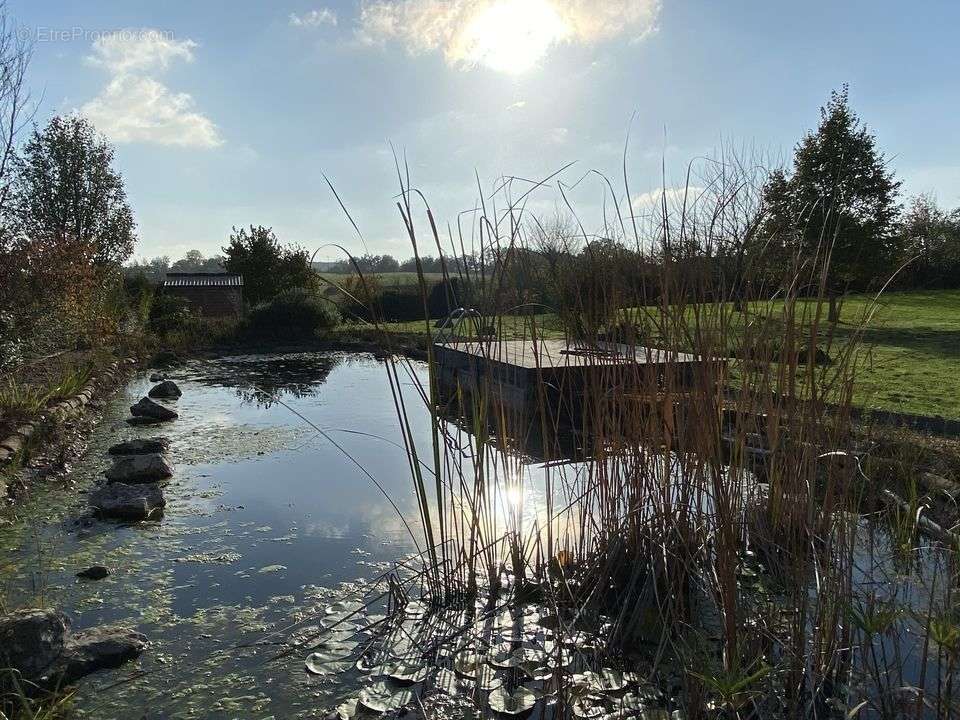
292, 499
267, 523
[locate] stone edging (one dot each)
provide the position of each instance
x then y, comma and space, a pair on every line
63, 410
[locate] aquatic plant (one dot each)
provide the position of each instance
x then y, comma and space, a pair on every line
711, 504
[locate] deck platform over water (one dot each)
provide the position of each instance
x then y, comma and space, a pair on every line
553, 354
518, 371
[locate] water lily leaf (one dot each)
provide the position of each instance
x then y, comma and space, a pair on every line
518, 702
536, 671
347, 710
330, 658
403, 672
529, 654
487, 678
380, 697
506, 659
588, 707
415, 609
343, 608
605, 681
318, 665
445, 681
467, 664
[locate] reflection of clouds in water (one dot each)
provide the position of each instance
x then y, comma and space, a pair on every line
325, 529
384, 524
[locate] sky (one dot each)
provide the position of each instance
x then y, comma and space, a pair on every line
235, 113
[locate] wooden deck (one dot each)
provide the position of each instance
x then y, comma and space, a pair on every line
552, 354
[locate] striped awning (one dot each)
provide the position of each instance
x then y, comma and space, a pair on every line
202, 280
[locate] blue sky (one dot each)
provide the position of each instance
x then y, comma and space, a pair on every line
230, 113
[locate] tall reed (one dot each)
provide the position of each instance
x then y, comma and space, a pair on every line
711, 517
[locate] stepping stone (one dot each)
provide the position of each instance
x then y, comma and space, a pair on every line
94, 572
166, 390
128, 502
32, 640
147, 408
139, 469
146, 446
87, 651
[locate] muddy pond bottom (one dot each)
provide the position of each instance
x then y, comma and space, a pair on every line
268, 523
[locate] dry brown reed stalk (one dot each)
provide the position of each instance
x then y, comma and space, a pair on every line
711, 508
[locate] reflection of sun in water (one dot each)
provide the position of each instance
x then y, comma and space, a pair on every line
512, 35
514, 496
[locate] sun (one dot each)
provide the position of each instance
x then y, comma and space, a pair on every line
511, 36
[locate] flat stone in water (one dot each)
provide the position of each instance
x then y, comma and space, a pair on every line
94, 572
139, 469
128, 502
146, 446
90, 650
150, 409
166, 390
31, 640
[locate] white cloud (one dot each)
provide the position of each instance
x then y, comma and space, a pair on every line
127, 51
135, 106
674, 197
314, 18
519, 104
505, 35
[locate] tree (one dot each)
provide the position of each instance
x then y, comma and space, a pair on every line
931, 243
194, 261
268, 268
839, 204
66, 190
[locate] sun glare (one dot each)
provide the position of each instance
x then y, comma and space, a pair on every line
511, 36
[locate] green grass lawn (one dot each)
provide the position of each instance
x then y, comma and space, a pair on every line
393, 279
911, 358
913, 361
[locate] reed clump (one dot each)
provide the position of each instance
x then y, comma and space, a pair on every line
695, 509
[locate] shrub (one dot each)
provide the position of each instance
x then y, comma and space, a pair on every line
295, 314
169, 313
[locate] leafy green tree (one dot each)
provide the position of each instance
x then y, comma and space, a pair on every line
268, 268
839, 203
931, 244
66, 190
194, 261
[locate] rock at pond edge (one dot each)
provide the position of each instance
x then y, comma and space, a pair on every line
128, 502
167, 390
146, 446
150, 409
132, 469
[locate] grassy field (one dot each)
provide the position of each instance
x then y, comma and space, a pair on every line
386, 280
912, 363
914, 360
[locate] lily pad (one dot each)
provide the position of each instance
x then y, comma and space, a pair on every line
403, 672
380, 697
604, 681
330, 658
318, 666
347, 710
518, 702
487, 678
445, 681
468, 664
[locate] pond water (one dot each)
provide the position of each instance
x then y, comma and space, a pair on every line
267, 522
292, 493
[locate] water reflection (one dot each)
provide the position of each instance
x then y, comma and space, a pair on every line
263, 380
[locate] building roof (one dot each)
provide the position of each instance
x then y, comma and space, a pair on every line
202, 280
